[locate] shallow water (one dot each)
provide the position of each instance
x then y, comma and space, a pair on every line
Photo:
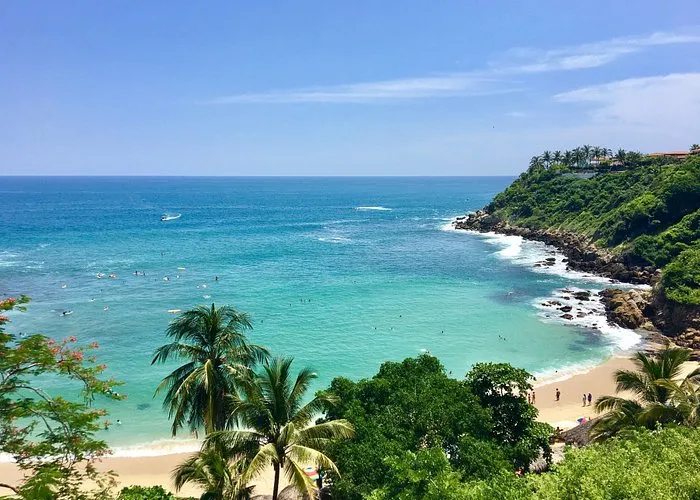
341, 273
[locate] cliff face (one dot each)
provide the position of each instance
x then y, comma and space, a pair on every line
633, 309
581, 253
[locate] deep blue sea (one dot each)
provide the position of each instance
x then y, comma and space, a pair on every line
341, 273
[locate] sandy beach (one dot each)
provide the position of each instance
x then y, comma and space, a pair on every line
148, 471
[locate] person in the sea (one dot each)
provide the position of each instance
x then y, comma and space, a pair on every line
216, 278
590, 398
557, 394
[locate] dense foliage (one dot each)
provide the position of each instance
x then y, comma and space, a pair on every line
145, 493
412, 417
36, 424
648, 465
660, 395
649, 213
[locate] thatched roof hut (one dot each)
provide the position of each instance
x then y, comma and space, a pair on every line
579, 435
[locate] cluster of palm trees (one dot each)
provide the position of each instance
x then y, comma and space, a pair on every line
581, 158
659, 395
251, 406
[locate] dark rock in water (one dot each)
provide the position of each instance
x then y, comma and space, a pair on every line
581, 314
566, 297
567, 316
565, 309
551, 259
585, 295
143, 406
537, 265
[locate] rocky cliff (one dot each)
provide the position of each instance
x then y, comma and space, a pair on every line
628, 308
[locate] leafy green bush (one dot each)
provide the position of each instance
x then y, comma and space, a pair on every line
681, 279
653, 465
411, 418
144, 493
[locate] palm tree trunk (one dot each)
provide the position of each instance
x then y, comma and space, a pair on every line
276, 486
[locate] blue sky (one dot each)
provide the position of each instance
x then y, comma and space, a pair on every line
339, 88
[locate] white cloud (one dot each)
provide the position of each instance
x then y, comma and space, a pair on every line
589, 55
659, 101
461, 84
483, 82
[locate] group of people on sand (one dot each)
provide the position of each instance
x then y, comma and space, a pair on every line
531, 397
588, 398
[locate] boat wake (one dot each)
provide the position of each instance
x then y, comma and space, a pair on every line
168, 217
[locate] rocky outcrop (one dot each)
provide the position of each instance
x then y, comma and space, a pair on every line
581, 254
628, 308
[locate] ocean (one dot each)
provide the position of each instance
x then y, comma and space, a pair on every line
340, 273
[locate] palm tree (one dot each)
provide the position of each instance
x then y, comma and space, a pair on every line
535, 162
620, 156
547, 158
216, 472
586, 149
217, 356
275, 428
694, 147
568, 158
654, 394
556, 157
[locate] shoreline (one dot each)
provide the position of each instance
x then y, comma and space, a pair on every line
156, 470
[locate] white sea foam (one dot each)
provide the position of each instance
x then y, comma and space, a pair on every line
373, 208
586, 314
158, 448
334, 239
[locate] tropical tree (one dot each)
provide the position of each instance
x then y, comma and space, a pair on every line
587, 153
275, 428
658, 396
568, 158
694, 147
52, 439
547, 158
620, 156
217, 357
217, 472
557, 157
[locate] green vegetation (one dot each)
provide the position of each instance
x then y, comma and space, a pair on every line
275, 427
144, 493
648, 212
35, 424
647, 465
409, 432
659, 397
412, 421
217, 355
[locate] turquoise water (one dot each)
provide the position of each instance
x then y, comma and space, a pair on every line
341, 273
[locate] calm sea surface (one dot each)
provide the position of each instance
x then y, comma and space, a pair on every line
341, 273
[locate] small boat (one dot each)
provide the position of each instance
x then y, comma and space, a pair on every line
66, 313
168, 217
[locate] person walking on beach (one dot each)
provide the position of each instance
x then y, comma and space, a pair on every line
584, 399
557, 393
533, 397
529, 398
590, 398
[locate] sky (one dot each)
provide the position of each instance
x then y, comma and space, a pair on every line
339, 88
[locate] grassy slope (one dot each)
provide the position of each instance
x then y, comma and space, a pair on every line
649, 214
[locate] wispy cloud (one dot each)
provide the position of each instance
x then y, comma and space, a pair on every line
489, 80
659, 101
589, 55
452, 85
